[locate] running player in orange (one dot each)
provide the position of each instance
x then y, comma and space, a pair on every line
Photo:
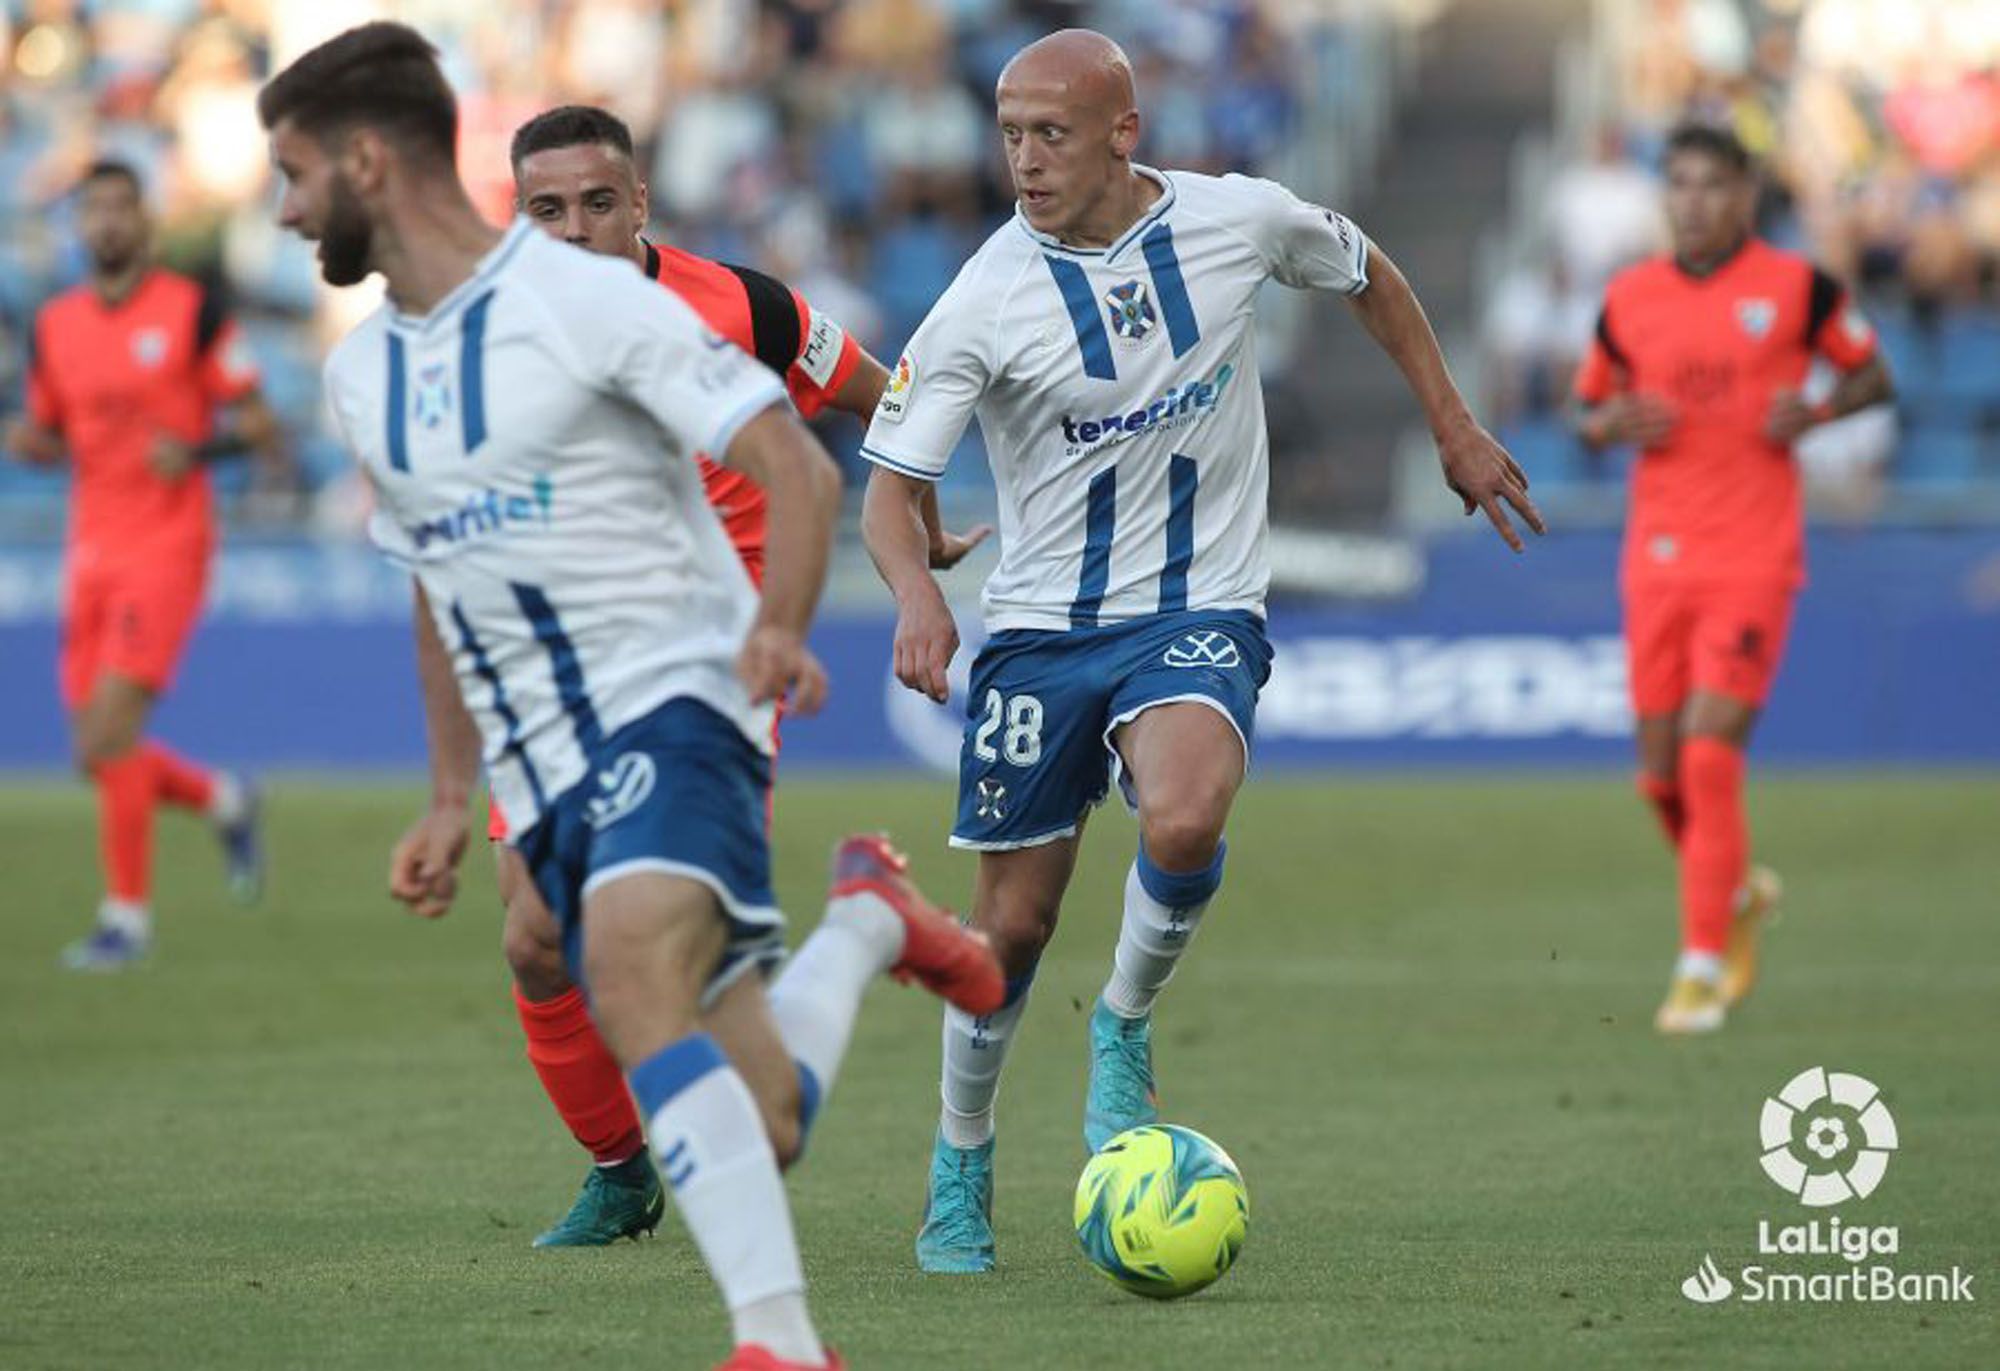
128, 371
575, 177
1699, 360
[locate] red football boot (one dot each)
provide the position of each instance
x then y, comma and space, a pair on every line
952, 962
756, 1357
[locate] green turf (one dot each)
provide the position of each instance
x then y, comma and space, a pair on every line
1418, 1017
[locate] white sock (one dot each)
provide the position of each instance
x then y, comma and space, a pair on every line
713, 1152
134, 918
818, 996
229, 802
1702, 966
974, 1051
1162, 911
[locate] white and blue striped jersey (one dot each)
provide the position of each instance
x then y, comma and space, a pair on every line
1118, 393
531, 443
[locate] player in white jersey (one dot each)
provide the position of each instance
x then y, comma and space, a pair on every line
1105, 340
529, 419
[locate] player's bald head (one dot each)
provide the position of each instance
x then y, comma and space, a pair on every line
1080, 68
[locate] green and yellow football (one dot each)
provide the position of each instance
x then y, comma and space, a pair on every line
1162, 1211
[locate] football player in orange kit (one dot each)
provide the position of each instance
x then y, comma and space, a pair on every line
576, 178
1699, 361
127, 373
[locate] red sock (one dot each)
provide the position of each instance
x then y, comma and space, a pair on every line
125, 825
1664, 795
1716, 847
580, 1076
176, 780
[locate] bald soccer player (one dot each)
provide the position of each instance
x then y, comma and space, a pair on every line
1105, 337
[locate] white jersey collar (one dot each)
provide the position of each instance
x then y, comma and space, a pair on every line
472, 286
1159, 207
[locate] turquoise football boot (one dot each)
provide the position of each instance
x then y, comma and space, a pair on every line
957, 1236
616, 1202
1121, 1077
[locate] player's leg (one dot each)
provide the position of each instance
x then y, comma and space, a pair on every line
652, 942
1737, 643
1659, 740
1184, 762
621, 1195
105, 731
1016, 900
1657, 628
1181, 722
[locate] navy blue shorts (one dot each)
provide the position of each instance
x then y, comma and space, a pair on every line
680, 792
1037, 753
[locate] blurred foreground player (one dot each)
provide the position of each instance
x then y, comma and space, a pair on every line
1699, 361
576, 180
126, 375
529, 425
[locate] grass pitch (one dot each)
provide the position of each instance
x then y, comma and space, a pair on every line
1418, 1016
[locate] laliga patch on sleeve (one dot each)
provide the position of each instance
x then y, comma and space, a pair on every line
825, 340
237, 363
1856, 326
895, 401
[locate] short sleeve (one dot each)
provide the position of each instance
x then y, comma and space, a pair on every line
224, 366
650, 348
1835, 327
44, 402
827, 356
1307, 246
934, 388
1603, 368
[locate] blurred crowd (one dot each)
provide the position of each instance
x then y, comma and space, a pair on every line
845, 145
1877, 124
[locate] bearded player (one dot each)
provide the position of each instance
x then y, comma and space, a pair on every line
1699, 362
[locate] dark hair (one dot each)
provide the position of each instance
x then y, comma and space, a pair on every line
383, 76
1710, 140
112, 169
568, 126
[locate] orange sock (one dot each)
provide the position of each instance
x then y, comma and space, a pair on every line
125, 826
580, 1076
176, 780
1716, 843
1664, 796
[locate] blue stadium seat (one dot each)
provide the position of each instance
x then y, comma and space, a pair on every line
1933, 454
1546, 450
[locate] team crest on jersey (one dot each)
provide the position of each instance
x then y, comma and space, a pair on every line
1209, 648
1132, 314
1756, 316
433, 397
149, 347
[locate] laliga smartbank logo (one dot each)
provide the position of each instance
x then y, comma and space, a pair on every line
1826, 1139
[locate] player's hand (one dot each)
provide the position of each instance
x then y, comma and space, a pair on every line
32, 443
423, 866
171, 459
776, 664
1632, 421
1790, 417
926, 641
949, 549
1480, 472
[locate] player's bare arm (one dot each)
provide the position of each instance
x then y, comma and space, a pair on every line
893, 527
803, 487
858, 396
1866, 385
251, 426
1476, 467
423, 866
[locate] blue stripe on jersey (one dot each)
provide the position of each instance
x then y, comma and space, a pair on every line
472, 372
881, 458
1173, 291
1100, 518
512, 746
562, 659
1182, 479
1083, 313
397, 410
